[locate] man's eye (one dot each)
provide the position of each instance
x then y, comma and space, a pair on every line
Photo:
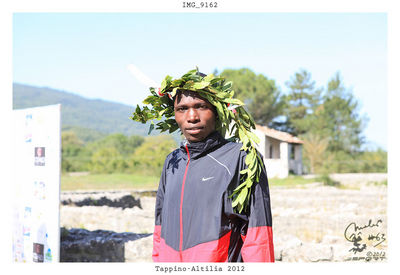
180, 109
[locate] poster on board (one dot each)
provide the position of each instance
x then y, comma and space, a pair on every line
36, 183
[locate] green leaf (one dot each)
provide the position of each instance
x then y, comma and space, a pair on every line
214, 91
177, 82
150, 99
222, 95
244, 171
244, 122
173, 93
217, 79
200, 85
253, 169
253, 136
249, 183
163, 83
242, 195
153, 91
162, 112
188, 85
208, 78
234, 101
170, 121
249, 158
240, 208
237, 189
227, 86
235, 202
189, 73
151, 127
220, 109
241, 133
173, 128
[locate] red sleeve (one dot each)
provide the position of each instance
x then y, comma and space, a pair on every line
258, 245
158, 216
156, 242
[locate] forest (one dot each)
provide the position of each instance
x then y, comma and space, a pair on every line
327, 118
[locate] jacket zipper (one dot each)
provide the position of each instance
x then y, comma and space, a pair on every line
180, 214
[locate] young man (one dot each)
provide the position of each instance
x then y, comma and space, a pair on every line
195, 220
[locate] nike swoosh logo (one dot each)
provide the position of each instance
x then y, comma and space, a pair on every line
205, 179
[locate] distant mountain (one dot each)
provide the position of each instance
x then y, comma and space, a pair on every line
84, 134
77, 112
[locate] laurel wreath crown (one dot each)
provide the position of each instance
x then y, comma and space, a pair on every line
232, 119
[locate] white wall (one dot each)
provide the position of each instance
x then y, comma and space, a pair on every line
280, 163
296, 164
275, 168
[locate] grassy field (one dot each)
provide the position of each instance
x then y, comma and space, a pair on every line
85, 181
290, 181
107, 182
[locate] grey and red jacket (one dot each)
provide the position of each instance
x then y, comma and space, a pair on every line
194, 219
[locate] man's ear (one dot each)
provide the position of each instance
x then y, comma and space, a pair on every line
215, 112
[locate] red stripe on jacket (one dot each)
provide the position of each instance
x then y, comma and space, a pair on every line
258, 245
180, 212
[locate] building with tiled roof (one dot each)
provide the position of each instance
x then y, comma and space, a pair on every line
282, 152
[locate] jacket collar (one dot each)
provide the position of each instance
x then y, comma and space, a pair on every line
201, 148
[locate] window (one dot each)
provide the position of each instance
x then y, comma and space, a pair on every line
292, 152
270, 152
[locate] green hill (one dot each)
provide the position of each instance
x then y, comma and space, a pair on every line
93, 117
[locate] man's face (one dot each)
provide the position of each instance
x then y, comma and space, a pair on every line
195, 116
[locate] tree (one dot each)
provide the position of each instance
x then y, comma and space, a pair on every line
107, 160
72, 149
266, 107
314, 149
342, 123
112, 153
327, 120
150, 156
374, 161
261, 95
123, 144
301, 103
70, 143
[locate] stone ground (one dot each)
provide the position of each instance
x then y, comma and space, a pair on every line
308, 221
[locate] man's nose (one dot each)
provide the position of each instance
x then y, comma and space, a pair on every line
193, 115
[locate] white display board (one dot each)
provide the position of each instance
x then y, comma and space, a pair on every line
36, 184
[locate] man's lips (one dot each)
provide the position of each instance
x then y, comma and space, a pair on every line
194, 130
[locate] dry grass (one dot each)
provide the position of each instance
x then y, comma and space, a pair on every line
107, 182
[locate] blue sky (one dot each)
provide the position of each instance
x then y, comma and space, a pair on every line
88, 53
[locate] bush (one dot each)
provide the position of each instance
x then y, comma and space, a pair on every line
150, 156
107, 160
361, 162
328, 180
106, 155
74, 155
